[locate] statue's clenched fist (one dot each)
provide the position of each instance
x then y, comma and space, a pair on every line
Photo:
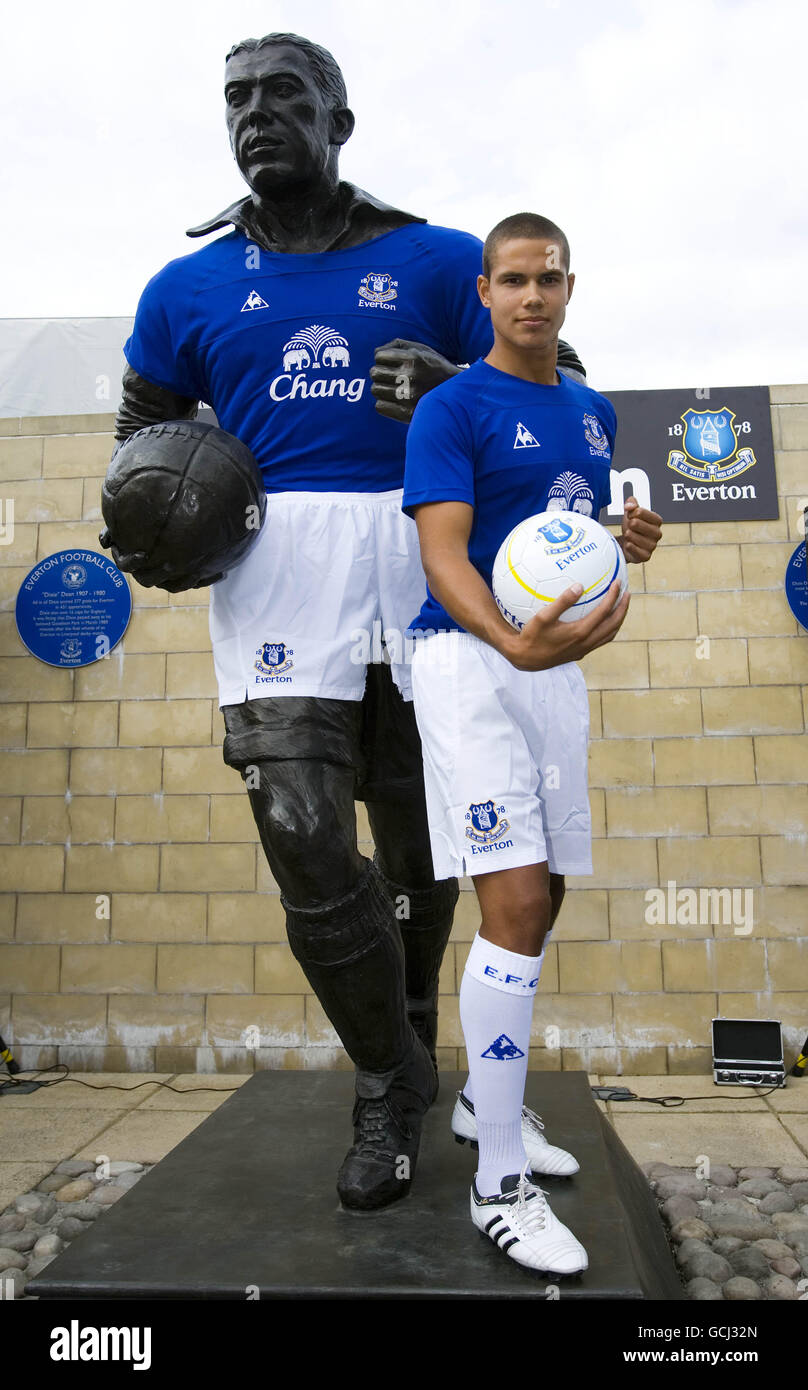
403, 373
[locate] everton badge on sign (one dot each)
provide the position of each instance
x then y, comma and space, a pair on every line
73, 608
797, 585
695, 455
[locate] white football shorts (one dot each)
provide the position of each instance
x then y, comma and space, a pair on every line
332, 582
505, 759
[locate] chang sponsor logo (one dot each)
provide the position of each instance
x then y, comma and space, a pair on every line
570, 493
321, 352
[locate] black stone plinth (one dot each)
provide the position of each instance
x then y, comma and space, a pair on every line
246, 1206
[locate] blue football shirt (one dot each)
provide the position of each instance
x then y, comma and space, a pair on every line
281, 345
510, 449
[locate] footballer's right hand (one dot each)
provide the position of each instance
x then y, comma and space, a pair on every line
546, 641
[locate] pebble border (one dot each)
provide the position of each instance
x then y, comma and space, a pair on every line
739, 1234
41, 1223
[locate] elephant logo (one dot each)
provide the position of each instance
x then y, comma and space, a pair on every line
570, 493
298, 358
336, 356
315, 347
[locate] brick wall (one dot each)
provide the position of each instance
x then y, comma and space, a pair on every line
112, 787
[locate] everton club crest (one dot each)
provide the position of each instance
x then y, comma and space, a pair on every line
560, 537
595, 436
378, 289
486, 822
710, 444
273, 658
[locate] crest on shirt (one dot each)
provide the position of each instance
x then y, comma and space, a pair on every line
710, 444
595, 436
486, 822
570, 493
524, 439
253, 301
377, 288
273, 658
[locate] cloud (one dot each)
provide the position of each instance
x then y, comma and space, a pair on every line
665, 138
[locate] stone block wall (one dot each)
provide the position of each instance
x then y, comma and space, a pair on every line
140, 927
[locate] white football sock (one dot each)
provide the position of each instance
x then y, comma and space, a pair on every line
469, 1086
496, 1007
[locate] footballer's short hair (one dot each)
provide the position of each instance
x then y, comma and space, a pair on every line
523, 226
325, 69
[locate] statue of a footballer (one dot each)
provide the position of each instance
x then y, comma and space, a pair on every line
283, 326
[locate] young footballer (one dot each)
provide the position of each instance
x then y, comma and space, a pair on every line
503, 714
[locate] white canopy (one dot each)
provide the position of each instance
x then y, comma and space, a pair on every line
61, 366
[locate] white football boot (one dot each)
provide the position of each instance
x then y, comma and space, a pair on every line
543, 1156
521, 1223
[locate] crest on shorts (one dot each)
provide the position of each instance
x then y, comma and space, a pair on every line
710, 442
486, 822
595, 436
273, 658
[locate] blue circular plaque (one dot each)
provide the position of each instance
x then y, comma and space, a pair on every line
73, 608
797, 585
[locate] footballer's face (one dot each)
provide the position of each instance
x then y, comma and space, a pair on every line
527, 292
282, 129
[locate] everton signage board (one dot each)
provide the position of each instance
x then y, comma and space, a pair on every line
695, 455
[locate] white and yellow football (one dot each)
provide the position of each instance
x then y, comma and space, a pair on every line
546, 553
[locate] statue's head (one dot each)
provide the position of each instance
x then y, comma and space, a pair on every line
287, 113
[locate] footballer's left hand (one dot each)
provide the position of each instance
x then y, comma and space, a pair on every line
403, 373
642, 532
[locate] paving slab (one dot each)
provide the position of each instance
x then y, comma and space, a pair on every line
793, 1097
92, 1090
694, 1088
677, 1137
201, 1092
51, 1132
145, 1136
797, 1127
16, 1178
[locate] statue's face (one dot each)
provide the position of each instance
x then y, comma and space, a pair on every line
280, 126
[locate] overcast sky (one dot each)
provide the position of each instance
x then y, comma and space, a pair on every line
667, 137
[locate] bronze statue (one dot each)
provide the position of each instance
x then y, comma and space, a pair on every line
370, 936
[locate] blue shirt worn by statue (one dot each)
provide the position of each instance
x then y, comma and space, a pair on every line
511, 449
281, 345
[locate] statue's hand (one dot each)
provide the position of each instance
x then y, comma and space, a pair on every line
161, 577
403, 373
